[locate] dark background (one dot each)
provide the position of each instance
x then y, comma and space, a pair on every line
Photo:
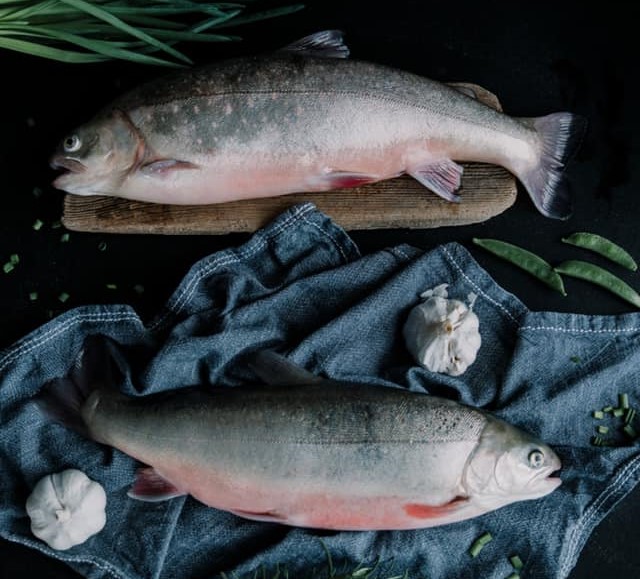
537, 57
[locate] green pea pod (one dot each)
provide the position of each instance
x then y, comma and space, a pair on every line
602, 246
530, 262
599, 276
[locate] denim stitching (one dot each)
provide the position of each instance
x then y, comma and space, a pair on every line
331, 238
41, 339
477, 289
208, 269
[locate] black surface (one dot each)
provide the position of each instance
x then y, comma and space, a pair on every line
539, 59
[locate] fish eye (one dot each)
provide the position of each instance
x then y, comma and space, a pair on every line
72, 144
536, 458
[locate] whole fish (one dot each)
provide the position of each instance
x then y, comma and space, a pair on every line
311, 452
305, 119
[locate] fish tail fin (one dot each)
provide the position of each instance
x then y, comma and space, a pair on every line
61, 399
561, 135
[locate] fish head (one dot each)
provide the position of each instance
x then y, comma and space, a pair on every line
96, 157
509, 465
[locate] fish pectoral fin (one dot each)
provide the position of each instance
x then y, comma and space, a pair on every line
442, 176
326, 44
274, 368
422, 511
164, 167
151, 487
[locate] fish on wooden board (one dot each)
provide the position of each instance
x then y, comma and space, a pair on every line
307, 451
306, 119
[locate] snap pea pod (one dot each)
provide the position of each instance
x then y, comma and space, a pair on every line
599, 276
524, 259
602, 246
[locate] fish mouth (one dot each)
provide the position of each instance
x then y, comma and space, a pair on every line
69, 167
545, 478
66, 164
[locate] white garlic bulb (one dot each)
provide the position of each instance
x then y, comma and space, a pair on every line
66, 508
443, 334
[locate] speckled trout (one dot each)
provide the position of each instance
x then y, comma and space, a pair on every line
312, 452
305, 119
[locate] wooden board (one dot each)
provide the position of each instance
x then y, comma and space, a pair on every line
486, 191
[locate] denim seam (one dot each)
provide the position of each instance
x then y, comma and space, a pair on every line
579, 330
41, 339
596, 512
100, 563
208, 269
331, 238
478, 290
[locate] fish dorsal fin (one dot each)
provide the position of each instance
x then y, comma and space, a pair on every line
276, 369
326, 44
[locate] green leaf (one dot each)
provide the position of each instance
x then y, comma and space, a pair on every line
264, 15
121, 25
35, 49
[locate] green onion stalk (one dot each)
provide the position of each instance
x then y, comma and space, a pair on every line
141, 31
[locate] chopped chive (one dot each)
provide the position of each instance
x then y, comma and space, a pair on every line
607, 409
599, 414
33, 296
516, 562
623, 401
629, 416
102, 246
630, 431
56, 225
139, 289
618, 412
8, 267
575, 359
603, 429
37, 192
64, 238
514, 575
37, 225
14, 258
63, 297
112, 286
479, 544
600, 441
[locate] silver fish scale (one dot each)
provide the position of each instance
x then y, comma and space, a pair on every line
291, 74
318, 414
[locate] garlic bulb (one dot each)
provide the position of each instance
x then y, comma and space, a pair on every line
442, 334
66, 509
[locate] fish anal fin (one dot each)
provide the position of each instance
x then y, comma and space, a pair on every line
164, 167
151, 487
275, 369
264, 516
442, 176
339, 179
325, 44
422, 511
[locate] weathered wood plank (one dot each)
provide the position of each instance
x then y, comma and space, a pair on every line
486, 191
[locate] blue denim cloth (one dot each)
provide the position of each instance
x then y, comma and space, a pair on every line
301, 287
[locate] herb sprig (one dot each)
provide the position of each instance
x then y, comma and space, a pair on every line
83, 31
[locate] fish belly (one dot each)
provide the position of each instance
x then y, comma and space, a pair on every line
323, 126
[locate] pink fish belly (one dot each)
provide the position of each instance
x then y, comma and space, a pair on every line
306, 507
230, 179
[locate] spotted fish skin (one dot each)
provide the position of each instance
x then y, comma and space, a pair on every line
315, 453
291, 122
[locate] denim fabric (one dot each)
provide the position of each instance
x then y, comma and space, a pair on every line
301, 287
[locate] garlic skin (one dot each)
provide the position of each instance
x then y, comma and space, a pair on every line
66, 508
443, 334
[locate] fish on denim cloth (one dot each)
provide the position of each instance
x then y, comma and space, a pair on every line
306, 451
306, 119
